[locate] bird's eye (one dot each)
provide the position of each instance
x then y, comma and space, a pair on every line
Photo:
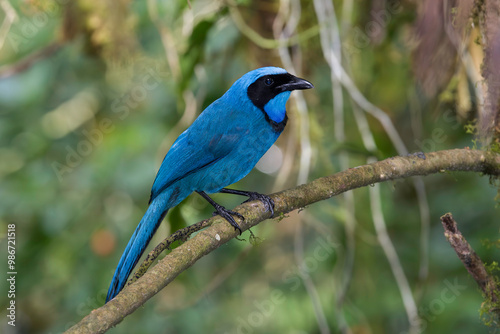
268, 81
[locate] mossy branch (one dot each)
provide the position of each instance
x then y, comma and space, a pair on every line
472, 262
220, 232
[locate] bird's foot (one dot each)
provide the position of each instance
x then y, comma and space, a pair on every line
252, 196
228, 215
266, 200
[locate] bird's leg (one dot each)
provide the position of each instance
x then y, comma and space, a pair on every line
266, 200
223, 212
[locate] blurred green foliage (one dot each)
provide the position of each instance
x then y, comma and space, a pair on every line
85, 124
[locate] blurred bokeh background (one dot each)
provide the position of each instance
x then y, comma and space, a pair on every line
93, 93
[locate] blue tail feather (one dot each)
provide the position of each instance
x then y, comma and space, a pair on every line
135, 247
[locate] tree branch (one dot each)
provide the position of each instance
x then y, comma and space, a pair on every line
219, 233
473, 264
182, 234
25, 63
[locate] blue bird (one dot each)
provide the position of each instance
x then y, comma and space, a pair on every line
221, 147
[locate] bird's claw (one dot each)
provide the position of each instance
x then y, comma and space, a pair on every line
266, 200
228, 215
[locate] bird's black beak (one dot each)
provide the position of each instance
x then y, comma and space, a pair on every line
295, 83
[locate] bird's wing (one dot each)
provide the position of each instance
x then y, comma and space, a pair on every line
196, 148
